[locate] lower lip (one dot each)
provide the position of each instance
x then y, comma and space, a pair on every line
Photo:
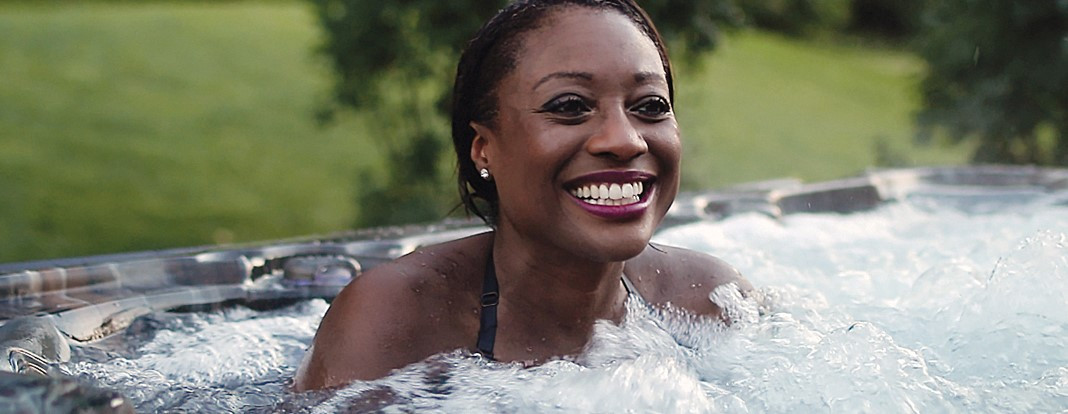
629, 211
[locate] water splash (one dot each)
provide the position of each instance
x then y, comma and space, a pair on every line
905, 309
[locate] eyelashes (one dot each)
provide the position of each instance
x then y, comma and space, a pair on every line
653, 108
567, 106
573, 108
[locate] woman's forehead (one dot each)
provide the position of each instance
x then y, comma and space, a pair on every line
581, 42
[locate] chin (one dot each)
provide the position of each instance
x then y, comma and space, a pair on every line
618, 249
631, 252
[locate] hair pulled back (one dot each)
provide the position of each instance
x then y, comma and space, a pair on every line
488, 58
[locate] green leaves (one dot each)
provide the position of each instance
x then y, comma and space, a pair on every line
397, 59
998, 74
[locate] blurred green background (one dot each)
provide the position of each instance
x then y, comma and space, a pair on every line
144, 125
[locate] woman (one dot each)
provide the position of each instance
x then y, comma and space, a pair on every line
568, 147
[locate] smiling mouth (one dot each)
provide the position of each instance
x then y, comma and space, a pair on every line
610, 194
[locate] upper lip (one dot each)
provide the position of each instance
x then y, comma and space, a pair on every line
610, 177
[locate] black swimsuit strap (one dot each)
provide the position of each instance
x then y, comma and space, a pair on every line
628, 286
487, 325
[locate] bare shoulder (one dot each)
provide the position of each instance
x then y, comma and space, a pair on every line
682, 278
397, 313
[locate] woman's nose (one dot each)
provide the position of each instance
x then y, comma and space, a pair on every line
617, 138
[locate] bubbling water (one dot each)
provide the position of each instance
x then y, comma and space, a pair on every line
908, 308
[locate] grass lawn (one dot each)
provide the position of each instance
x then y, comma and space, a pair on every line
143, 126
130, 127
763, 106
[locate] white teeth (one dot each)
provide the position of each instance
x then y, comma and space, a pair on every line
610, 194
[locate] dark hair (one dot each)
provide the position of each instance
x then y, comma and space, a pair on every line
488, 58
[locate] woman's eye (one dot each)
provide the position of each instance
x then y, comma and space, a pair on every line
570, 106
653, 107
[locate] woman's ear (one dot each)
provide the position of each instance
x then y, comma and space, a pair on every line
481, 145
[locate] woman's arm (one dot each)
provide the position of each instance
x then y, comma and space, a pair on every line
364, 335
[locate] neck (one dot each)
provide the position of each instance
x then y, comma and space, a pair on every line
549, 286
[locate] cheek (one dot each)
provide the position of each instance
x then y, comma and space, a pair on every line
527, 157
667, 146
542, 149
675, 148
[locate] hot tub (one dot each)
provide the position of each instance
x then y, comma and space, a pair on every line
931, 289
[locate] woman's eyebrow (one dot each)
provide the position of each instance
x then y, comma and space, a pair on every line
586, 76
649, 77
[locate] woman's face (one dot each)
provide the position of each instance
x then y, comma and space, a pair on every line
585, 150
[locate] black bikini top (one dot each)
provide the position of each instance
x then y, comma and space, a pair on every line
487, 325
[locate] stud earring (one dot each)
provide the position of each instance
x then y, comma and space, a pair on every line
485, 174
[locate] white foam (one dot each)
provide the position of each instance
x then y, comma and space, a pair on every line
905, 309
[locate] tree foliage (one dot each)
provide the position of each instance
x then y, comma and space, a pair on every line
395, 60
999, 75
889, 19
797, 17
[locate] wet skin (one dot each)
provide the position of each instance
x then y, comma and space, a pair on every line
588, 96
587, 104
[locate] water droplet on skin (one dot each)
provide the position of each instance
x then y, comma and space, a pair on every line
658, 271
543, 339
530, 349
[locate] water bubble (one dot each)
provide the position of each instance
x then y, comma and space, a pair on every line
901, 309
